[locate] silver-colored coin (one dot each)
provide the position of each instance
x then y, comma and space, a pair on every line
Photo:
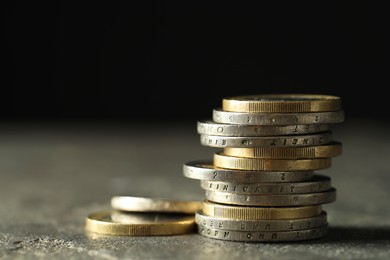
226, 117
144, 204
262, 236
209, 127
267, 141
205, 170
318, 183
260, 225
303, 199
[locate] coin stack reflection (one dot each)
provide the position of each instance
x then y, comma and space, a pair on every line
264, 184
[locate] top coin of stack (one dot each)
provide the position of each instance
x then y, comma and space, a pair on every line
263, 186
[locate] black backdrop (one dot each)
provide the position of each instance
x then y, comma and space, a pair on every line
170, 61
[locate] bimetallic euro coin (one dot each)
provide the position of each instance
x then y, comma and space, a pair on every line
139, 224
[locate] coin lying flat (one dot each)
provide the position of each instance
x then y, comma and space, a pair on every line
329, 150
276, 200
243, 163
247, 118
263, 236
285, 103
259, 213
318, 183
260, 225
205, 170
141, 204
139, 224
266, 141
209, 127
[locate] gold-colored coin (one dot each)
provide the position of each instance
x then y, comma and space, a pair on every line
139, 224
241, 163
282, 103
332, 149
141, 204
258, 213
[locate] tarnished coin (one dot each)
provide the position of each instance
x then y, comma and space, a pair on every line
141, 204
259, 213
275, 200
266, 141
261, 164
263, 236
247, 118
260, 225
284, 103
205, 170
139, 224
318, 183
209, 127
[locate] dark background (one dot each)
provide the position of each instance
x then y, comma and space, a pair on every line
166, 62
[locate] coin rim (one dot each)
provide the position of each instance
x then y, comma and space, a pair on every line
95, 224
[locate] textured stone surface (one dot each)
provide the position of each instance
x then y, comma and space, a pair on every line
52, 176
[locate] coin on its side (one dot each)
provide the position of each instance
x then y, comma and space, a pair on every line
329, 150
252, 118
274, 200
257, 213
283, 103
209, 127
118, 223
318, 183
267, 141
244, 163
262, 236
261, 225
205, 170
142, 204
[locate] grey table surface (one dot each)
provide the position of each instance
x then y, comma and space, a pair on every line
54, 175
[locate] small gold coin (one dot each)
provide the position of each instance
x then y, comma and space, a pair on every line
332, 149
241, 163
118, 223
283, 103
141, 204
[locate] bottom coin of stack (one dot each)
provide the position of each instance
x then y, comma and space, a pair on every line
261, 206
139, 216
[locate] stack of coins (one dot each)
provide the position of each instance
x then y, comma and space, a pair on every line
263, 184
